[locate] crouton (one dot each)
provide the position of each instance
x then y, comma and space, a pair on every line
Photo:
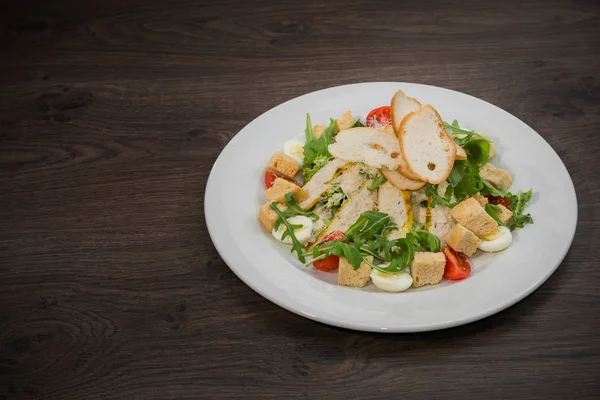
499, 178
281, 187
318, 130
472, 216
345, 121
505, 216
463, 240
461, 154
492, 146
481, 199
427, 268
282, 165
348, 276
267, 216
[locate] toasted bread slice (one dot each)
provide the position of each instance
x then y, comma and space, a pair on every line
461, 154
406, 171
400, 181
368, 145
426, 147
402, 105
389, 129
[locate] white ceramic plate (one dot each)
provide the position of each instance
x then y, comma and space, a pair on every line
235, 189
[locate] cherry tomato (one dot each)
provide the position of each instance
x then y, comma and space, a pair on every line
379, 117
332, 262
269, 179
333, 236
327, 264
457, 266
499, 200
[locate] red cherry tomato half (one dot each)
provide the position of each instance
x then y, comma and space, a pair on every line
269, 179
457, 266
333, 236
379, 117
499, 200
332, 262
327, 264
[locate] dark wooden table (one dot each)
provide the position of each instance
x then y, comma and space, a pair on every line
111, 115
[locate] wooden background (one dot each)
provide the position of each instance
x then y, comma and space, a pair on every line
111, 115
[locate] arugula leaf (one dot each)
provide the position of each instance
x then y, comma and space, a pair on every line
289, 231
378, 181
432, 191
358, 124
351, 253
317, 149
336, 248
489, 189
517, 205
478, 151
424, 241
369, 224
294, 207
461, 136
493, 210
401, 253
308, 131
366, 238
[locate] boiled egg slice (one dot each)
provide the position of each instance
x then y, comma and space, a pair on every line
295, 150
498, 240
397, 282
303, 233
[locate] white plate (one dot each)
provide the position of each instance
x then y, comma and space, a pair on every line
235, 189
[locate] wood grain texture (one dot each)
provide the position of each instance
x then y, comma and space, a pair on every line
111, 115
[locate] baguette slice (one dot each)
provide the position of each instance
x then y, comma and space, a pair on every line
400, 107
405, 170
400, 181
427, 148
368, 145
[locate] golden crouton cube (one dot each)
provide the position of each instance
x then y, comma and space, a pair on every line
505, 215
481, 199
282, 165
281, 187
267, 216
427, 268
345, 121
348, 276
462, 240
472, 216
318, 130
499, 178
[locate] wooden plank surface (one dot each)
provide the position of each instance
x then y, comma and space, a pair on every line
111, 115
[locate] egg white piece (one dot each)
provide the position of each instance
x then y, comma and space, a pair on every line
398, 282
303, 233
498, 240
295, 150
